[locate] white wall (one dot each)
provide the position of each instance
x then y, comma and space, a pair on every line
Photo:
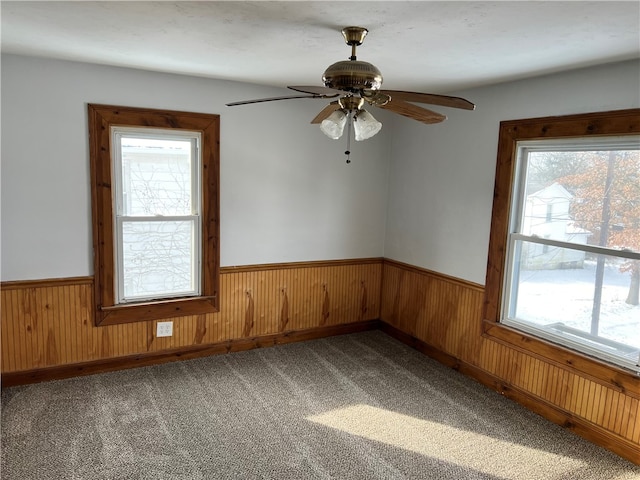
286, 192
441, 177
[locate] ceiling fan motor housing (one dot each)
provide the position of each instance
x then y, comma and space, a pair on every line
352, 76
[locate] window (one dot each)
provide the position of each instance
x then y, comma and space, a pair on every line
155, 213
570, 278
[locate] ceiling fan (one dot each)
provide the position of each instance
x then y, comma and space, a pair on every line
356, 83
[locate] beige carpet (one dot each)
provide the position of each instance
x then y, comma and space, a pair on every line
360, 406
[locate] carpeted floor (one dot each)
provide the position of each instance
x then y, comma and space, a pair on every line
360, 406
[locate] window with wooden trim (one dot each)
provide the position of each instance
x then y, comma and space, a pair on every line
155, 207
564, 256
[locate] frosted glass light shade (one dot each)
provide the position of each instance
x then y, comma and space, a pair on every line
365, 126
333, 125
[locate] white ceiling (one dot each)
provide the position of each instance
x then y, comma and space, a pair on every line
424, 46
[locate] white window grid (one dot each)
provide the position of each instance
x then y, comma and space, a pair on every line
195, 218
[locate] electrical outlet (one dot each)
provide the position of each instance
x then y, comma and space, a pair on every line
164, 329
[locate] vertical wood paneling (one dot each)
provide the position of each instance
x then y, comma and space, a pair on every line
622, 411
539, 378
446, 315
634, 420
299, 302
249, 315
10, 303
52, 324
572, 405
613, 400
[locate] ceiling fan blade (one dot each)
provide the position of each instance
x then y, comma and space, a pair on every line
412, 111
443, 100
326, 111
329, 92
273, 99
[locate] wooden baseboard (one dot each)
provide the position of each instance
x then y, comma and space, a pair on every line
590, 431
12, 379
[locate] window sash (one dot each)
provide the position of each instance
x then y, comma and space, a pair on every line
118, 133
196, 256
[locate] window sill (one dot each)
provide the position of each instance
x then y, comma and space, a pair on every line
149, 311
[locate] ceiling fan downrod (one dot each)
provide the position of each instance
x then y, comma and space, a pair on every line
354, 36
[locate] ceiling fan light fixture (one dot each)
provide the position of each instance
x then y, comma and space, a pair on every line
333, 125
356, 82
365, 125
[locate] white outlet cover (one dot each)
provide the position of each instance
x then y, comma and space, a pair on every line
164, 329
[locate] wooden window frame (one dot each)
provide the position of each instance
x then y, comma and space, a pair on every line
101, 119
620, 122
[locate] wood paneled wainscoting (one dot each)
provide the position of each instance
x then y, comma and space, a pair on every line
48, 329
442, 317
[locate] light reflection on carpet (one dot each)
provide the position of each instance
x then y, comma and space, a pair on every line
483, 453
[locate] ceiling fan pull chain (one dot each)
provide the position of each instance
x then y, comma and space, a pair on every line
348, 150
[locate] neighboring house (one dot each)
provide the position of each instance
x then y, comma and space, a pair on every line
547, 216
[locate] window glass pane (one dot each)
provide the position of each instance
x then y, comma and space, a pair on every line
158, 258
583, 197
577, 296
156, 176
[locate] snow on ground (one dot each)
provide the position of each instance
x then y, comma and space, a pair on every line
551, 296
